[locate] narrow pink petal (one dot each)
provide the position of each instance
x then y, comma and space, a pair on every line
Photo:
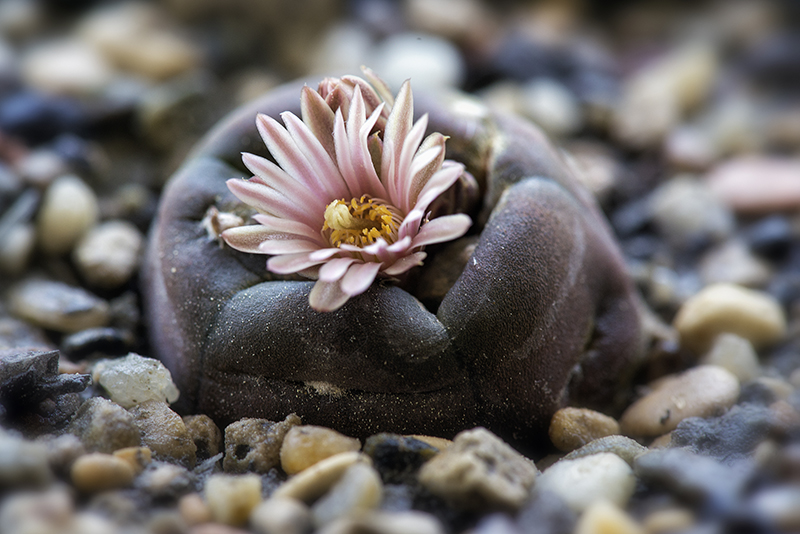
397, 127
359, 277
371, 97
275, 177
422, 168
400, 246
287, 246
327, 296
319, 117
291, 263
268, 200
442, 229
334, 269
246, 238
380, 86
344, 155
324, 253
410, 225
362, 158
403, 169
405, 263
288, 226
438, 184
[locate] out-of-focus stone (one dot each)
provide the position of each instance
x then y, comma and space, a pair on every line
315, 481
595, 167
97, 472
398, 458
753, 315
163, 431
231, 498
22, 463
779, 504
733, 263
194, 510
552, 106
255, 444
306, 445
166, 481
104, 426
108, 255
625, 448
138, 457
16, 249
281, 516
69, 209
360, 489
57, 306
691, 148
735, 354
46, 511
586, 481
479, 471
206, 435
431, 61
699, 392
572, 428
454, 19
604, 517
406, 522
546, 512
62, 451
757, 184
668, 520
67, 66
135, 379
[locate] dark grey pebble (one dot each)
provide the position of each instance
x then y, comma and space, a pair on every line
770, 237
102, 341
397, 458
36, 118
546, 512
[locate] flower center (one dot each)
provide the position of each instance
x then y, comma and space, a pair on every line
361, 222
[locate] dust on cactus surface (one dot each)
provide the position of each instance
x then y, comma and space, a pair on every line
646, 274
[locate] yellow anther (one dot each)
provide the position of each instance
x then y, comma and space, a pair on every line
360, 222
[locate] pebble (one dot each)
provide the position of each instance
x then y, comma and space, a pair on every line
736, 354
701, 391
585, 481
91, 342
57, 306
624, 447
771, 236
62, 451
310, 484
231, 498
206, 435
16, 248
194, 510
757, 184
479, 471
281, 516
596, 168
69, 209
436, 442
572, 428
458, 20
42, 166
108, 255
691, 147
22, 463
35, 118
104, 426
406, 522
343, 48
166, 481
733, 263
398, 458
551, 105
360, 489
685, 212
546, 512
66, 66
97, 471
163, 431
49, 511
668, 520
138, 457
306, 445
255, 444
432, 62
135, 379
604, 517
779, 504
753, 315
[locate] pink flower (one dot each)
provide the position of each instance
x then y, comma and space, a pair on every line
348, 200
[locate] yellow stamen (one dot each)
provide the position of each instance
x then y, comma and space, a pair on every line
360, 222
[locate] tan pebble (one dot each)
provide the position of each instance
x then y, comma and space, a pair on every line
306, 445
231, 498
69, 209
216, 528
603, 517
662, 441
193, 509
765, 453
572, 428
138, 457
784, 416
757, 184
205, 433
108, 254
736, 354
668, 520
778, 386
164, 433
699, 392
433, 441
315, 481
97, 471
753, 315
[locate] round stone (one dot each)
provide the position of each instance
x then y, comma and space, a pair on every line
281, 516
98, 471
753, 315
736, 354
359, 490
552, 106
67, 66
255, 444
69, 209
108, 255
585, 481
231, 498
699, 392
430, 61
306, 445
572, 428
603, 516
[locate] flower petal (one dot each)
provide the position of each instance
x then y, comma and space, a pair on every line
319, 117
314, 151
442, 229
403, 169
286, 246
334, 269
288, 226
405, 263
278, 179
397, 127
359, 277
324, 253
291, 263
327, 296
438, 184
246, 238
268, 200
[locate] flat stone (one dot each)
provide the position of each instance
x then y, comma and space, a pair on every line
306, 445
255, 444
757, 184
753, 315
360, 489
135, 379
315, 481
231, 498
699, 392
69, 209
735, 354
281, 516
572, 428
206, 435
108, 254
479, 471
67, 66
22, 463
104, 426
604, 517
585, 481
625, 448
57, 306
163, 431
98, 471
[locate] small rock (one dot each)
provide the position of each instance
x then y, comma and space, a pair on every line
57, 306
104, 426
585, 481
733, 263
306, 445
90, 342
602, 517
436, 442
479, 471
358, 490
42, 166
735, 354
255, 444
699, 392
66, 66
457, 20
595, 168
22, 463
432, 62
206, 435
398, 458
343, 48
231, 498
62, 451
771, 237
757, 184
135, 379
69, 209
281, 516
315, 481
668, 520
779, 505
97, 472
194, 510
691, 147
163, 431
108, 255
552, 106
546, 512
166, 481
625, 448
47, 511
572, 428
407, 522
16, 249
138, 457
15, 333
753, 315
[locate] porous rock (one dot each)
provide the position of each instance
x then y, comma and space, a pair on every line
164, 433
205, 433
255, 444
305, 445
104, 426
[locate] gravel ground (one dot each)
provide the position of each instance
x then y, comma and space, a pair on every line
684, 122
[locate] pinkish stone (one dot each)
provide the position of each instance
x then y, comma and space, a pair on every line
757, 184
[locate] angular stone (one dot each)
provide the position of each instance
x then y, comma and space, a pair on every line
360, 489
588, 480
135, 379
231, 498
306, 445
479, 471
104, 426
255, 444
572, 428
164, 433
206, 435
98, 471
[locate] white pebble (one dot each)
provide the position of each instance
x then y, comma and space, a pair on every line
430, 62
360, 489
231, 498
281, 516
69, 209
16, 249
66, 67
135, 379
108, 255
735, 354
584, 481
552, 106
